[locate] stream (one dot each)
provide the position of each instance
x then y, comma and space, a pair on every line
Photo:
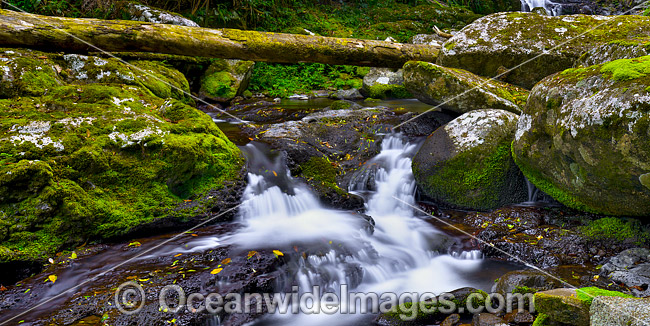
391, 247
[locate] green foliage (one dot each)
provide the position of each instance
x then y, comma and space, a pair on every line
281, 80
589, 293
382, 91
618, 229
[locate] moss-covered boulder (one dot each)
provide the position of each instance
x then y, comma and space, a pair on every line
467, 163
144, 13
614, 50
583, 137
27, 73
542, 45
92, 160
226, 79
381, 83
571, 306
460, 90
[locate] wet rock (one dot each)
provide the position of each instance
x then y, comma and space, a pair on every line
467, 163
632, 269
526, 281
452, 320
382, 83
325, 148
226, 79
519, 317
510, 39
575, 138
347, 94
562, 305
615, 311
487, 319
154, 15
614, 50
421, 125
459, 90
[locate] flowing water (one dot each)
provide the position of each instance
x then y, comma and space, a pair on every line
552, 8
403, 254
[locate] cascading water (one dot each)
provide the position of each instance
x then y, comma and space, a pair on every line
403, 254
552, 8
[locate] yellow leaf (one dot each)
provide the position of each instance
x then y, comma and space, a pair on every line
52, 278
134, 244
226, 261
216, 271
74, 255
251, 254
275, 174
178, 255
278, 253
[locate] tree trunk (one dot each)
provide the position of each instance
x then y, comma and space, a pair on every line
87, 35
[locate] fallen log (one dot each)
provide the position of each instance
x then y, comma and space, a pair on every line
86, 35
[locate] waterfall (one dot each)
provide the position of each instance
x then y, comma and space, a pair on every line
404, 253
552, 8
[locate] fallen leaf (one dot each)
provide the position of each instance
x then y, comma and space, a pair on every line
251, 254
226, 261
52, 278
73, 255
51, 261
278, 253
134, 244
275, 174
216, 271
178, 255
2, 288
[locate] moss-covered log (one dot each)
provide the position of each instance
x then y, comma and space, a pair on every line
75, 35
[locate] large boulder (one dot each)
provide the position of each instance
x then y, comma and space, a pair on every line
614, 50
632, 269
467, 162
536, 45
563, 305
459, 90
225, 79
94, 158
583, 137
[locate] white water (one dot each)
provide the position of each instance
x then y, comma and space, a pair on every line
405, 253
552, 8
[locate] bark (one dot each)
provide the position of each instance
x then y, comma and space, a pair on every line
87, 35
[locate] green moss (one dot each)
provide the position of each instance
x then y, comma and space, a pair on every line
219, 84
589, 293
101, 159
627, 69
340, 105
619, 229
471, 179
320, 169
543, 320
383, 91
522, 290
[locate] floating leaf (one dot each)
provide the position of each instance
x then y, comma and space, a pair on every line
278, 253
216, 271
52, 278
226, 261
73, 255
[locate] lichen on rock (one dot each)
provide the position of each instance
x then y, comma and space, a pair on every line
459, 90
583, 137
467, 163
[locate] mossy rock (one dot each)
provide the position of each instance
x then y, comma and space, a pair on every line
583, 137
538, 43
617, 311
27, 73
459, 90
571, 306
95, 160
467, 163
614, 50
226, 79
382, 83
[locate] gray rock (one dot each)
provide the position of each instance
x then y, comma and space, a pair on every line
632, 268
452, 320
486, 319
347, 94
615, 311
159, 16
428, 39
